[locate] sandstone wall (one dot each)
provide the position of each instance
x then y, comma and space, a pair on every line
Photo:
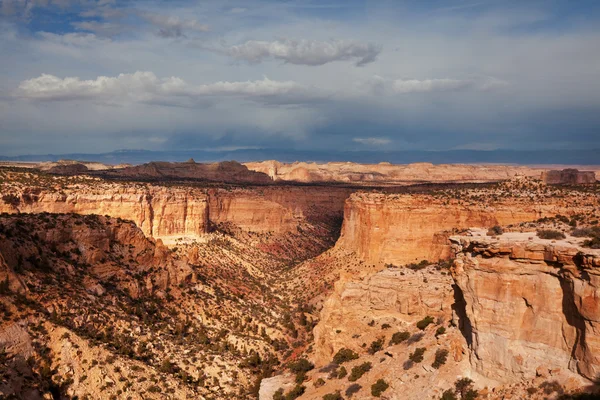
529, 307
159, 211
400, 229
172, 212
276, 209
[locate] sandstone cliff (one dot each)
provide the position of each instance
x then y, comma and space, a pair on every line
569, 176
386, 173
172, 212
531, 306
399, 229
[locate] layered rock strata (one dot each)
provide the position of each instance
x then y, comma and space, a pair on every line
399, 229
530, 306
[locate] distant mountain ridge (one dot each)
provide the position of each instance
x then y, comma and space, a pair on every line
525, 157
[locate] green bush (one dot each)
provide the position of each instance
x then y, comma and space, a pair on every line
440, 358
333, 396
343, 372
417, 355
379, 387
359, 371
296, 392
550, 234
399, 337
425, 322
449, 395
440, 331
344, 355
376, 346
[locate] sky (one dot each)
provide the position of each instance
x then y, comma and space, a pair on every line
100, 75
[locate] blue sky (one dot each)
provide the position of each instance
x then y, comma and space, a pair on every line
100, 75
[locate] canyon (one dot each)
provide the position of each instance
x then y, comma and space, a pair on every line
229, 285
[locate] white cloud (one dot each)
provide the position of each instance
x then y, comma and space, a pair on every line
146, 87
372, 141
306, 52
173, 26
429, 85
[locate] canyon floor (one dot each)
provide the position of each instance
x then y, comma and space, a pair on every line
142, 283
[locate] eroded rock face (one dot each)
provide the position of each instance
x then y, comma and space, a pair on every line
395, 294
568, 176
399, 229
386, 173
171, 212
159, 211
407, 228
530, 306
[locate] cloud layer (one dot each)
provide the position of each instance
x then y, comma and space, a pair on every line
342, 75
146, 87
306, 52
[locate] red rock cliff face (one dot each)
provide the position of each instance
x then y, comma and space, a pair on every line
529, 306
400, 229
178, 211
276, 209
159, 211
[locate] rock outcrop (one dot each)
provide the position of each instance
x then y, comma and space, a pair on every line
160, 212
399, 229
394, 296
568, 176
529, 306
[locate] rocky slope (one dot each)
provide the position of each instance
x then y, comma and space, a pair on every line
399, 229
531, 306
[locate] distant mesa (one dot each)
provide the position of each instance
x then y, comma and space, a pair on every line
569, 176
68, 169
226, 171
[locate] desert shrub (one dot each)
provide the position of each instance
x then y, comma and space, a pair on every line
449, 395
424, 323
551, 387
464, 387
278, 395
343, 372
359, 371
319, 382
296, 392
344, 355
376, 346
352, 389
379, 387
420, 265
11, 199
440, 331
300, 368
592, 243
417, 355
586, 232
440, 358
399, 337
386, 326
495, 231
333, 396
550, 234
